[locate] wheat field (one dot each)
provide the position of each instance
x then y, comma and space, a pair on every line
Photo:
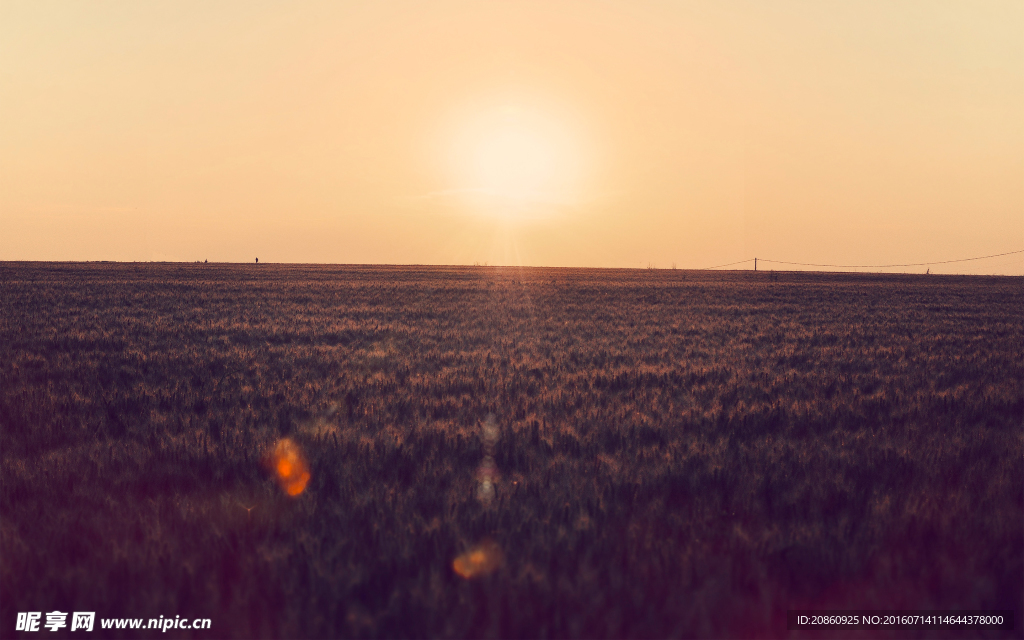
674, 454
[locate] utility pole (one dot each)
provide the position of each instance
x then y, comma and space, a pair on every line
755, 264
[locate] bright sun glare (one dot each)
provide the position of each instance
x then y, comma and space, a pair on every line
516, 161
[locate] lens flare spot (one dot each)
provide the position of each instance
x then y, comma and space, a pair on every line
487, 472
481, 560
289, 466
284, 468
485, 492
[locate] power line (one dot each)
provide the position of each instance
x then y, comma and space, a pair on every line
863, 266
883, 266
725, 265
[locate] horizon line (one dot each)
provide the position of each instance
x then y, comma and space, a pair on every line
847, 270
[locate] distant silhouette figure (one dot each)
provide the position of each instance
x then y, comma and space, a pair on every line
257, 260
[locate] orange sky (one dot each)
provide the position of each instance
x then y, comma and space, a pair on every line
558, 134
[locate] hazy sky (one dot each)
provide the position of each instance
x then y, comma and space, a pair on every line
549, 133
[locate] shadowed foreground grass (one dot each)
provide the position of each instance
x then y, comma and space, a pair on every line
680, 454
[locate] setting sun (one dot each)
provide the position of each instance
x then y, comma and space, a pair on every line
516, 161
